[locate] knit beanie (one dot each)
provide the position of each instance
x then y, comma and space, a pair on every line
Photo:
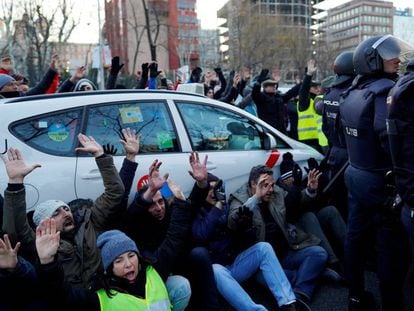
286, 166
83, 82
112, 244
4, 79
46, 209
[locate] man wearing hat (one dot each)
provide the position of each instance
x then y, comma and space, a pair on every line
271, 103
77, 251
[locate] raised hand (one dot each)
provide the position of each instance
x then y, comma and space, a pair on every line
109, 149
54, 60
89, 145
176, 189
264, 185
16, 169
155, 181
116, 65
8, 254
47, 240
78, 74
311, 67
313, 179
131, 143
198, 169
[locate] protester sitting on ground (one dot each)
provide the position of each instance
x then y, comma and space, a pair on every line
300, 254
235, 258
9, 87
128, 281
78, 235
149, 219
325, 222
77, 82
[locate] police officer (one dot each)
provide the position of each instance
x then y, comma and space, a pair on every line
363, 113
400, 126
337, 154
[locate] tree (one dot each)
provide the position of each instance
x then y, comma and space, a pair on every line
40, 31
265, 41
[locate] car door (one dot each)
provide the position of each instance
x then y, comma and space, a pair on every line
159, 140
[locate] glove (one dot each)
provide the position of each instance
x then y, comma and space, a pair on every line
244, 218
115, 66
153, 70
217, 70
263, 75
312, 164
297, 175
219, 193
145, 69
109, 149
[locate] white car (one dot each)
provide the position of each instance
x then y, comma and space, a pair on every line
172, 124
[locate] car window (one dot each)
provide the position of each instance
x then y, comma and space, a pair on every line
215, 128
150, 119
54, 133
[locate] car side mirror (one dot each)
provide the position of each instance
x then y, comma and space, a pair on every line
269, 142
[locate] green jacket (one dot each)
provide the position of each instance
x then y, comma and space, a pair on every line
79, 255
296, 238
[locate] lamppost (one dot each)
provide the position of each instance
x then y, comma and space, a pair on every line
101, 77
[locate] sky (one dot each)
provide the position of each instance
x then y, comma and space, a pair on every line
87, 31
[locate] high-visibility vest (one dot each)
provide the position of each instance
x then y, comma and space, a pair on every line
310, 124
156, 296
307, 122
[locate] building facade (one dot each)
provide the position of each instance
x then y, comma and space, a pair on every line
338, 28
267, 33
169, 31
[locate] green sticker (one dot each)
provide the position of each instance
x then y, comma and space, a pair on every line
164, 140
58, 132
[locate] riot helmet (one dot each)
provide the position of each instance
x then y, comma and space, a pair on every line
370, 53
343, 67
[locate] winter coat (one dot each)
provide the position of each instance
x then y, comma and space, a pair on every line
79, 255
296, 238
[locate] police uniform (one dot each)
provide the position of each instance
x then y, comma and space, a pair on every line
400, 126
363, 113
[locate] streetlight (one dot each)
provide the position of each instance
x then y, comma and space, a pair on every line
101, 77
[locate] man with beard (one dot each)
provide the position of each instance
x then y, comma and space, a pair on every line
78, 252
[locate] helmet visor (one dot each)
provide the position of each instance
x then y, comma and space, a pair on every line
390, 47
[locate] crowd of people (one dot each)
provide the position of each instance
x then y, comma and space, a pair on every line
287, 233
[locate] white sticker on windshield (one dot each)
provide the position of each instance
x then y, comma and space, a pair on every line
42, 124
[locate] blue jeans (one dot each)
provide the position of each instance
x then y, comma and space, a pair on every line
259, 257
327, 220
179, 291
199, 270
366, 219
303, 268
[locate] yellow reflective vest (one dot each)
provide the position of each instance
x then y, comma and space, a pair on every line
310, 124
156, 296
